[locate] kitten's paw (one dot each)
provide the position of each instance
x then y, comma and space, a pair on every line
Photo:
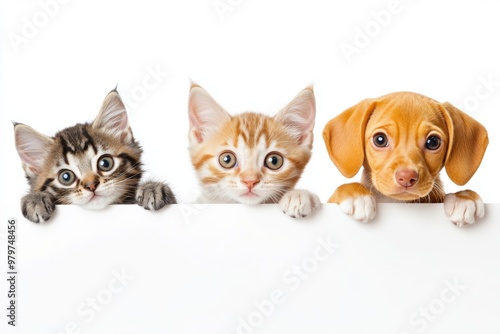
299, 203
154, 195
464, 207
38, 206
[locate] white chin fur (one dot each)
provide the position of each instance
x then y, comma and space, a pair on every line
98, 203
250, 200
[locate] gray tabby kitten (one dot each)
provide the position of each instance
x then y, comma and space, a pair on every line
92, 165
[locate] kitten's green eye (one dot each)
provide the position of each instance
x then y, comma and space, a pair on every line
66, 177
227, 160
105, 163
273, 161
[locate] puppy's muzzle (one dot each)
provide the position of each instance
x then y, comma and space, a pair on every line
406, 178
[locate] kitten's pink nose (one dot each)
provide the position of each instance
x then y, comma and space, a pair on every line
91, 186
250, 183
406, 177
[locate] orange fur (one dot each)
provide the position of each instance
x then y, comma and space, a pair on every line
252, 132
251, 138
407, 169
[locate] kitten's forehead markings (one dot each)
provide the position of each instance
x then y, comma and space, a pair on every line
240, 142
262, 143
251, 133
74, 164
75, 140
273, 146
81, 164
89, 141
261, 150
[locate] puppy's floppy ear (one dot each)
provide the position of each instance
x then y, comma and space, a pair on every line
344, 137
468, 142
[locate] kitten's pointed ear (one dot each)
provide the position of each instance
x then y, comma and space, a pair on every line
205, 115
32, 147
113, 119
299, 116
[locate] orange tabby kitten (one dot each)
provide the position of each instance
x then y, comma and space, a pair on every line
252, 158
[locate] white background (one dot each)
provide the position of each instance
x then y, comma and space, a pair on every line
255, 57
193, 270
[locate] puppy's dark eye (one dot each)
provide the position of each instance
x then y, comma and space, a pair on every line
433, 143
380, 140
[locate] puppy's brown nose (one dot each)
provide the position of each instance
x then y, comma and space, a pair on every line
406, 177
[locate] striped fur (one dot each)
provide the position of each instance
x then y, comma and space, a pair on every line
78, 149
251, 138
93, 165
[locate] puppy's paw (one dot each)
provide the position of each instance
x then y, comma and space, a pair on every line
362, 208
38, 206
154, 195
355, 201
464, 207
299, 203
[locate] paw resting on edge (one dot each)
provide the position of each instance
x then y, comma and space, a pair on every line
362, 208
299, 203
464, 207
356, 201
154, 195
38, 206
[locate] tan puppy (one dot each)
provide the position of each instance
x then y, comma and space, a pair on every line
403, 140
